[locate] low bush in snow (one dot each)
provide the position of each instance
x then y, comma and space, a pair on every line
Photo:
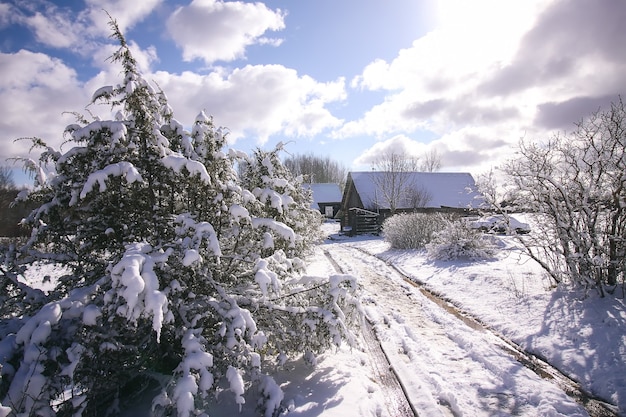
412, 230
459, 240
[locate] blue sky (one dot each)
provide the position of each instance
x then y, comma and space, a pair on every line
348, 79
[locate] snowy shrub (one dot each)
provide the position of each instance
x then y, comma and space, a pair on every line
412, 230
574, 185
181, 274
459, 240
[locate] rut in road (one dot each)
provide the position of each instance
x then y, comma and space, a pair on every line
396, 400
435, 354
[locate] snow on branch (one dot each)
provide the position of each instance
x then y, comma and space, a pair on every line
201, 231
195, 374
177, 162
117, 130
103, 92
280, 228
236, 385
237, 322
119, 169
135, 280
278, 201
238, 212
265, 277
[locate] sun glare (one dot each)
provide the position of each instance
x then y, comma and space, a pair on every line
493, 28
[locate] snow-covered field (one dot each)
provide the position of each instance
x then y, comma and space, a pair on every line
446, 367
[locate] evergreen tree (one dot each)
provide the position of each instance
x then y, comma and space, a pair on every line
283, 197
178, 274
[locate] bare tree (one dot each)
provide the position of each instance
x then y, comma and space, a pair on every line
395, 180
431, 161
418, 196
576, 185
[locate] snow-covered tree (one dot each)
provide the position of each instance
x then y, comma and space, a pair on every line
282, 197
178, 274
576, 186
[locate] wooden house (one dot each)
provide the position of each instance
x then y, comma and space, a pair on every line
371, 196
326, 198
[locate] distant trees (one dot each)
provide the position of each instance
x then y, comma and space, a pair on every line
174, 274
575, 184
316, 169
11, 212
8, 192
6, 178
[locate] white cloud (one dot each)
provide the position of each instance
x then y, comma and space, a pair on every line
257, 101
145, 58
213, 30
399, 144
34, 91
54, 29
126, 14
253, 101
6, 14
82, 31
494, 71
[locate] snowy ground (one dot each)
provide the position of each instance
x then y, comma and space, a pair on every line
579, 333
447, 367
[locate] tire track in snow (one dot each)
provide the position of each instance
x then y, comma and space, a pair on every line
462, 360
595, 406
396, 400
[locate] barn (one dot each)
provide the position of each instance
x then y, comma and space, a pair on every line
326, 198
371, 196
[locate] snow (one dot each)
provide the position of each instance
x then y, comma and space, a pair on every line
238, 212
177, 162
236, 385
444, 189
135, 280
500, 224
37, 330
512, 295
278, 201
323, 193
117, 130
191, 256
445, 366
265, 277
277, 227
201, 230
105, 91
125, 169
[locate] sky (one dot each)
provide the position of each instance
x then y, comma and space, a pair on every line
345, 79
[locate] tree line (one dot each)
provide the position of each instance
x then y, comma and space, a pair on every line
12, 211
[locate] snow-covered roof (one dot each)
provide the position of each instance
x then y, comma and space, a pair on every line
444, 189
324, 193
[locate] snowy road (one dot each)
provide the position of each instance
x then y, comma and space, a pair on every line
446, 367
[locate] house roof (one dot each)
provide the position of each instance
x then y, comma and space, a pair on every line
443, 189
324, 193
